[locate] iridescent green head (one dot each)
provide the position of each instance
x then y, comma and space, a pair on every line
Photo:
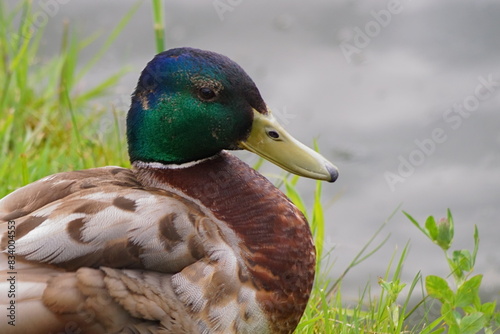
190, 104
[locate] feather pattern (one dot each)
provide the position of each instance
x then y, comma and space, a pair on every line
112, 250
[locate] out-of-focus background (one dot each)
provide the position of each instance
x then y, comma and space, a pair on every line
403, 96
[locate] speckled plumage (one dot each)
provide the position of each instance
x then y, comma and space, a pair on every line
208, 246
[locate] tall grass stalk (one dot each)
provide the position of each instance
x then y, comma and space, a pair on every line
159, 25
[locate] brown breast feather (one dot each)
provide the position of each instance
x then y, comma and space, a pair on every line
276, 239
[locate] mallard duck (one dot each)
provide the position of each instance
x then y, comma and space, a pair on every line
190, 240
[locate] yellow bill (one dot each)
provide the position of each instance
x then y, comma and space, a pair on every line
269, 140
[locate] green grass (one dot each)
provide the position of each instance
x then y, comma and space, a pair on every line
381, 311
47, 125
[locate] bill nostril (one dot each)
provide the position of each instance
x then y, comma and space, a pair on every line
273, 134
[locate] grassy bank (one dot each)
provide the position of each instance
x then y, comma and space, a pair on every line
47, 125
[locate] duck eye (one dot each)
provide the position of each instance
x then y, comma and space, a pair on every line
273, 134
206, 94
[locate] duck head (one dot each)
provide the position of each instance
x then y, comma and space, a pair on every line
191, 104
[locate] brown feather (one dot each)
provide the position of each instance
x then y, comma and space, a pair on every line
276, 238
222, 236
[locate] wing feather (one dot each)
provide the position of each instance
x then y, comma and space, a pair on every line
93, 216
99, 250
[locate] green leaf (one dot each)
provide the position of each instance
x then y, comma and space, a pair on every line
392, 287
497, 318
414, 222
462, 260
472, 323
468, 292
476, 245
454, 329
438, 288
452, 224
489, 308
449, 315
469, 309
431, 227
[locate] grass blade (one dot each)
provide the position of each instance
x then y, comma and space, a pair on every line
159, 25
109, 41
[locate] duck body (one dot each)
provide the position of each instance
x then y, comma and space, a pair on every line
182, 243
